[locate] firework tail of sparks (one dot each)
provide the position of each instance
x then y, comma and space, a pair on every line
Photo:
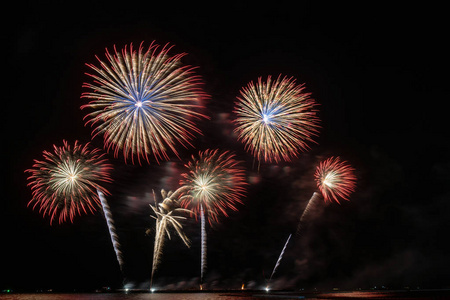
203, 244
111, 228
64, 183
280, 257
144, 102
313, 201
275, 119
165, 215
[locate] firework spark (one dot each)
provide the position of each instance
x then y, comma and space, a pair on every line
215, 182
275, 119
335, 179
111, 228
167, 216
145, 102
64, 184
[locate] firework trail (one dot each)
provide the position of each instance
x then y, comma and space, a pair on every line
275, 119
311, 203
215, 181
280, 257
203, 244
144, 101
111, 228
65, 182
335, 179
166, 216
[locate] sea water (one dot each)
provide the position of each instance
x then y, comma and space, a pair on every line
246, 295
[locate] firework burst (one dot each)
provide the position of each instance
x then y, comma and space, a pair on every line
145, 102
215, 182
168, 214
65, 183
275, 119
335, 179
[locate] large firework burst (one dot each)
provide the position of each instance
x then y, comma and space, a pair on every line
216, 181
275, 119
145, 101
65, 183
335, 179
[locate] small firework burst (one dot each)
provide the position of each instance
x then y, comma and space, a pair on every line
215, 181
145, 102
335, 179
168, 215
65, 183
275, 119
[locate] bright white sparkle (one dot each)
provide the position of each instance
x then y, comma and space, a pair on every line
265, 118
329, 179
138, 104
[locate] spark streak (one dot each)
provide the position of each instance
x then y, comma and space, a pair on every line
315, 197
280, 257
111, 228
203, 243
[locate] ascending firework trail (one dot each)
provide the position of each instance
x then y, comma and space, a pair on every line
280, 257
111, 228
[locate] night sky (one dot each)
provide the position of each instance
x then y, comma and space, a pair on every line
379, 74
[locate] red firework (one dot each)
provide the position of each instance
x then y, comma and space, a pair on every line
215, 181
65, 183
335, 179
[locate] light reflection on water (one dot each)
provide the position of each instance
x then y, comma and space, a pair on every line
404, 295
130, 296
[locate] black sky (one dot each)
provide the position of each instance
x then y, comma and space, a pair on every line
379, 74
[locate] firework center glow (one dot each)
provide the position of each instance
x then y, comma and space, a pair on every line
329, 179
266, 118
138, 104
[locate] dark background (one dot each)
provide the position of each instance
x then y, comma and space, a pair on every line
379, 73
